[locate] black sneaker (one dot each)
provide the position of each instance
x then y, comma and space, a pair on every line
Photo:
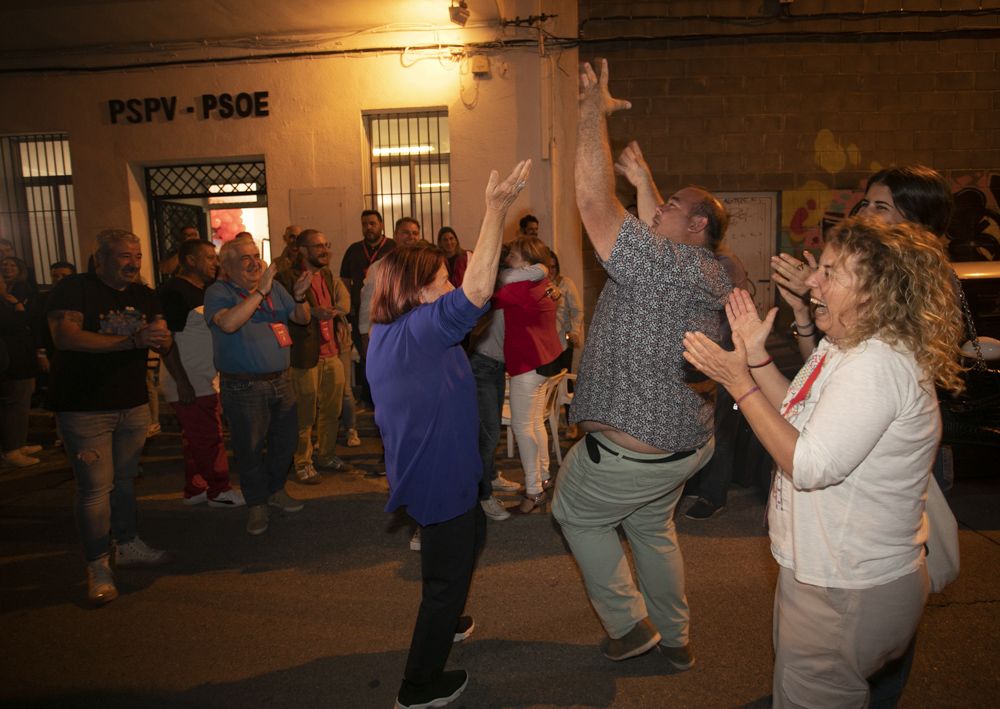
703, 509
464, 628
439, 693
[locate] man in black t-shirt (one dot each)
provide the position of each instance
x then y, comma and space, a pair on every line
358, 257
102, 325
191, 381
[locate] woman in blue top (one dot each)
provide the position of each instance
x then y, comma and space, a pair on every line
425, 399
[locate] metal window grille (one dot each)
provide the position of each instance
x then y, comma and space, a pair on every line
409, 167
37, 208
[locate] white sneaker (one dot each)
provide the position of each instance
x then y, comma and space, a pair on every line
353, 439
229, 498
137, 553
19, 459
197, 499
415, 540
504, 485
494, 509
100, 582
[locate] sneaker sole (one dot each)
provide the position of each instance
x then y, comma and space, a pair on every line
439, 702
677, 666
635, 652
256, 532
296, 508
143, 564
459, 637
191, 502
216, 503
704, 517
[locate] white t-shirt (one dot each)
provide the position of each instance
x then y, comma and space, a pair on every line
852, 513
195, 345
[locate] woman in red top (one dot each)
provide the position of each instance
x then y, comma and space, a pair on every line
530, 341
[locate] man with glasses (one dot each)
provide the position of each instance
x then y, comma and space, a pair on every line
248, 315
317, 371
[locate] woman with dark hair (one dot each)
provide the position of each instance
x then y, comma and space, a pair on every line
907, 193
19, 283
457, 258
854, 437
530, 342
425, 398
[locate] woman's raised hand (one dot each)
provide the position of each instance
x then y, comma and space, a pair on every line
791, 274
727, 368
747, 326
500, 195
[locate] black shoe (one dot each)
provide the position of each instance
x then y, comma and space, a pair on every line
464, 628
443, 691
703, 509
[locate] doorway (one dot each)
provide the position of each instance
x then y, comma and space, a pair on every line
220, 200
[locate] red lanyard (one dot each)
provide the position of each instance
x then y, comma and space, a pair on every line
372, 256
267, 299
803, 392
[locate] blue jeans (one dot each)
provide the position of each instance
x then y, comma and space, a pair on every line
104, 449
261, 414
489, 397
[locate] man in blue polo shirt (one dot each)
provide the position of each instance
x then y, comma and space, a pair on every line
248, 315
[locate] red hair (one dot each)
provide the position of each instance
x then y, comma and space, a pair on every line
403, 273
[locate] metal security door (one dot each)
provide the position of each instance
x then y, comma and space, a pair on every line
168, 220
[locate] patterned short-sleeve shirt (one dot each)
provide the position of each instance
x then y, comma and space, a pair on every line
633, 375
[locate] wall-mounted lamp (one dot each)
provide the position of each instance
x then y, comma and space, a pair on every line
459, 12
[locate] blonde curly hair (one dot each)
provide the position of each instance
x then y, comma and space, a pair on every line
907, 294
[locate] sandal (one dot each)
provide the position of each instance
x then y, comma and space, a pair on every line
531, 503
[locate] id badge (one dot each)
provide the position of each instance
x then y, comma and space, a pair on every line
281, 334
326, 330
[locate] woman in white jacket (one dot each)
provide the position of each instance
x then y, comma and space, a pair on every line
853, 436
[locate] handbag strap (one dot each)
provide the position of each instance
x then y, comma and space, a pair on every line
970, 325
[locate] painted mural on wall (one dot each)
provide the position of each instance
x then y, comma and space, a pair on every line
974, 234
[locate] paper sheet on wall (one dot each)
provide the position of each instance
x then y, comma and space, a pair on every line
753, 237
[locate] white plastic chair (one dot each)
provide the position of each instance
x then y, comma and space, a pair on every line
563, 396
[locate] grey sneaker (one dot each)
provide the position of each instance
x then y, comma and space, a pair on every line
257, 521
137, 553
642, 638
100, 582
494, 509
285, 502
333, 463
680, 658
306, 474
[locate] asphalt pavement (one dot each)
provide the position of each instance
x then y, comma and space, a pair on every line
317, 612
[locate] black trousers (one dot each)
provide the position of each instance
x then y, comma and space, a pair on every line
448, 553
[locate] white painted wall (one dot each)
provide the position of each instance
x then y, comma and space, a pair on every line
313, 137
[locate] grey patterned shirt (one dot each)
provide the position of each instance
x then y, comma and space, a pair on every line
633, 376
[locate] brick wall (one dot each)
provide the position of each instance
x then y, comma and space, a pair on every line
800, 106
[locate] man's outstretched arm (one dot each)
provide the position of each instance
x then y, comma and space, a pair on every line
600, 210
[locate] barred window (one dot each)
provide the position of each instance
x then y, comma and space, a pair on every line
37, 209
409, 167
